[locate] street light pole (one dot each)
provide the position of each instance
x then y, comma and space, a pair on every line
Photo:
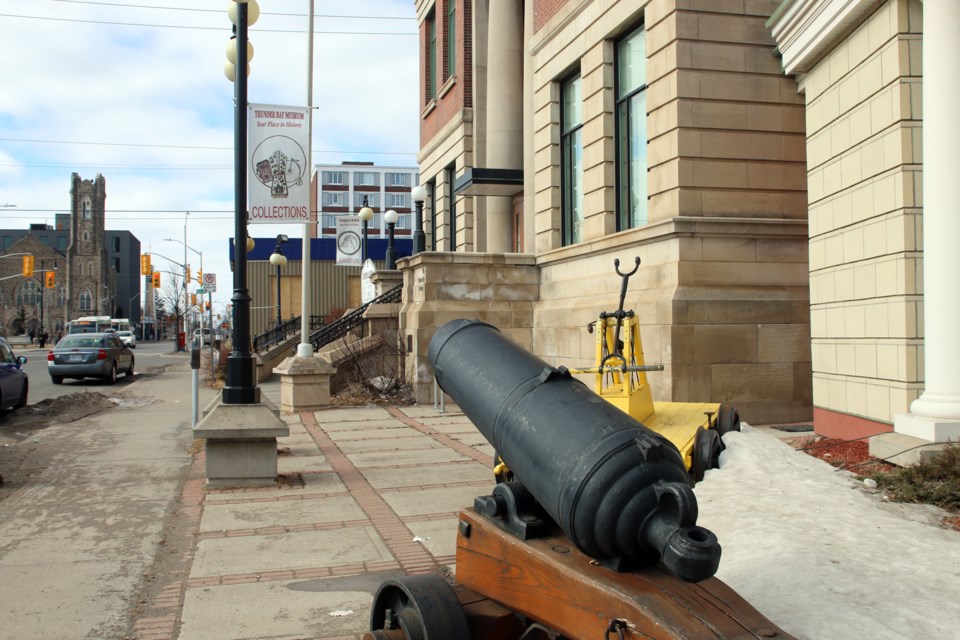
240, 387
390, 217
279, 260
419, 194
365, 214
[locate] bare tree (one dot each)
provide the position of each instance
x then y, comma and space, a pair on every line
170, 298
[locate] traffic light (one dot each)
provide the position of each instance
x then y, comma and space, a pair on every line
27, 266
156, 279
49, 279
145, 268
193, 299
200, 276
188, 273
208, 306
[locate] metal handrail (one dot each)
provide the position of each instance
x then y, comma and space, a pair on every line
350, 321
276, 335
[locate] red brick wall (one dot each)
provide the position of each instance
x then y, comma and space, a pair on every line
460, 95
543, 10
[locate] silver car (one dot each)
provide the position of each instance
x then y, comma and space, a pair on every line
89, 355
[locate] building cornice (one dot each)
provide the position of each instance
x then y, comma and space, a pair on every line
805, 29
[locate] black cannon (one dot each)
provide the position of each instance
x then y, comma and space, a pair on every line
619, 491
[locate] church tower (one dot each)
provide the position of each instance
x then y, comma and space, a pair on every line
89, 285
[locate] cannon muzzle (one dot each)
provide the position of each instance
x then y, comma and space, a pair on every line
618, 490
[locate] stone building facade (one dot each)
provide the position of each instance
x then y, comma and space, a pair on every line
879, 88
558, 136
25, 301
90, 280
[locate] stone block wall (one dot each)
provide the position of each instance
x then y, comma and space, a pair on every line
864, 152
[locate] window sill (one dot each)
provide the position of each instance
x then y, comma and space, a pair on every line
427, 109
446, 86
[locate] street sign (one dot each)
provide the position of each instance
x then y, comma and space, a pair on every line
201, 291
210, 282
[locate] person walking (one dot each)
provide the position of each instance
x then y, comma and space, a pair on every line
32, 335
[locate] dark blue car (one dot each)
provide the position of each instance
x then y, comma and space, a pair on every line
14, 384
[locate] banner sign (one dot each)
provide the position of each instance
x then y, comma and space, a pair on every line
278, 180
348, 240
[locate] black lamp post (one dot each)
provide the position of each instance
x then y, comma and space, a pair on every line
279, 260
390, 217
240, 387
419, 194
365, 214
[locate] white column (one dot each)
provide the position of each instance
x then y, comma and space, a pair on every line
504, 111
935, 415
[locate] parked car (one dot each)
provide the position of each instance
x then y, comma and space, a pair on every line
89, 355
128, 338
14, 382
207, 337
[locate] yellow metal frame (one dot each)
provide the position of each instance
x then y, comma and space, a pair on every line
622, 381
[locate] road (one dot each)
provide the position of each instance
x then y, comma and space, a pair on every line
88, 500
146, 356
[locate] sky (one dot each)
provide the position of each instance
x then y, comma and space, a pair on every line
135, 90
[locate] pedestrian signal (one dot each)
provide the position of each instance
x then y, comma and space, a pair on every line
208, 306
145, 268
50, 279
27, 266
156, 279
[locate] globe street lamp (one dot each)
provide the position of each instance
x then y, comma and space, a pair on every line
419, 195
279, 261
365, 214
390, 217
240, 387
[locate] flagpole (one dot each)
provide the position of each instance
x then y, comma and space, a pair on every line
305, 349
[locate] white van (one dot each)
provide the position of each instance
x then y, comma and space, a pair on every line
207, 337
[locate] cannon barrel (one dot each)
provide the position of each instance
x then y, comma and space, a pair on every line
618, 490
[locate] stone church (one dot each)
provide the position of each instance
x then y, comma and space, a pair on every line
85, 270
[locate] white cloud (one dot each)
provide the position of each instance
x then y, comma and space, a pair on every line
158, 104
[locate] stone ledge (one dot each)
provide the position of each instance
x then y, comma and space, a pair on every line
903, 450
241, 422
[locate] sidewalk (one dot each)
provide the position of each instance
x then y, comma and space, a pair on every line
369, 494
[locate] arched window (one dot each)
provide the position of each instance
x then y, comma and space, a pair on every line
28, 293
86, 300
86, 209
61, 296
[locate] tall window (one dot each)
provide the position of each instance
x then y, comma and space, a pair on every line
431, 57
451, 38
631, 88
373, 199
115, 242
398, 200
85, 208
86, 300
571, 161
452, 235
397, 179
432, 190
28, 293
332, 199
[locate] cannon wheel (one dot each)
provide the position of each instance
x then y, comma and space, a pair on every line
423, 607
728, 419
706, 453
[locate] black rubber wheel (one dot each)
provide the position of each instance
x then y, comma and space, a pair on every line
129, 371
728, 419
56, 379
22, 402
112, 376
424, 607
706, 453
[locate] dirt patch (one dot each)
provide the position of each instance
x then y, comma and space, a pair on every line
22, 423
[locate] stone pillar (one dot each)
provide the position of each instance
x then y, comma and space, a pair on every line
304, 384
935, 415
504, 112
